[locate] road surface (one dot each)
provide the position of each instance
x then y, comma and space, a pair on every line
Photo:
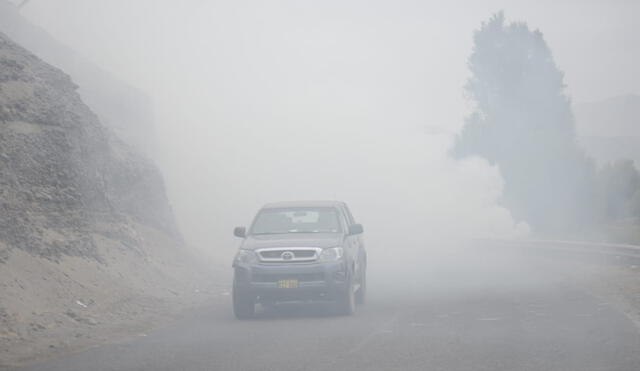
459, 313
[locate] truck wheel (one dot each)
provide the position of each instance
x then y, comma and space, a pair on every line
346, 303
243, 305
361, 294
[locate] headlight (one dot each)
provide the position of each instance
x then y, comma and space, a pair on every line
245, 257
331, 254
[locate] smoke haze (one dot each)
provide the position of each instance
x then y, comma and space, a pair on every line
357, 101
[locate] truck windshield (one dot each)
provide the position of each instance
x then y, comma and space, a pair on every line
297, 220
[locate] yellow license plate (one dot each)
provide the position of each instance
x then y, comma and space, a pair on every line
288, 284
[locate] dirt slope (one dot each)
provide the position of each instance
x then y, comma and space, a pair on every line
89, 248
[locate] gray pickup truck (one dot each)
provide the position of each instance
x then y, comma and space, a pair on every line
300, 251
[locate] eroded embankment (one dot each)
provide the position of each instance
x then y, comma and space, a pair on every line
89, 249
50, 308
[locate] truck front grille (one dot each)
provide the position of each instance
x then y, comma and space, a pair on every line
289, 255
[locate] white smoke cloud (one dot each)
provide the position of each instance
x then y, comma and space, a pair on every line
359, 101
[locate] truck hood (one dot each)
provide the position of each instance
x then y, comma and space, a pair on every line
293, 240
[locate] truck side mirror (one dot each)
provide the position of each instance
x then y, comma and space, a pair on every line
355, 229
240, 232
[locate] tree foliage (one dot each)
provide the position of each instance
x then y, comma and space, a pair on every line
523, 123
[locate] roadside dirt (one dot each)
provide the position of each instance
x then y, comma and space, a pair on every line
49, 308
615, 282
619, 285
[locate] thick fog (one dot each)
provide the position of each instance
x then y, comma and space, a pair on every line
358, 101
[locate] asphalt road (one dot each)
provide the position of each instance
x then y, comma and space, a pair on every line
459, 313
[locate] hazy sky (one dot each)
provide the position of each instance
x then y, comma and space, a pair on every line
594, 42
264, 100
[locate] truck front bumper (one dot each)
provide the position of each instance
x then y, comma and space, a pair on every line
292, 282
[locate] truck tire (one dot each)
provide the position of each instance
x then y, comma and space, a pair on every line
346, 303
244, 306
361, 294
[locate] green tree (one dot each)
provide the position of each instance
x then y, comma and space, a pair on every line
523, 123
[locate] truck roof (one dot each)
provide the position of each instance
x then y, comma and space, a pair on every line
286, 204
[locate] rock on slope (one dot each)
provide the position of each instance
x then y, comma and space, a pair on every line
62, 171
119, 106
88, 242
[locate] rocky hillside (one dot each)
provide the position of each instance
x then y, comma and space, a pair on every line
63, 176
88, 242
121, 107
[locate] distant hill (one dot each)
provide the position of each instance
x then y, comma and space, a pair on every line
121, 107
610, 129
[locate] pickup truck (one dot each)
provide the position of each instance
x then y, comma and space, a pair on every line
300, 251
